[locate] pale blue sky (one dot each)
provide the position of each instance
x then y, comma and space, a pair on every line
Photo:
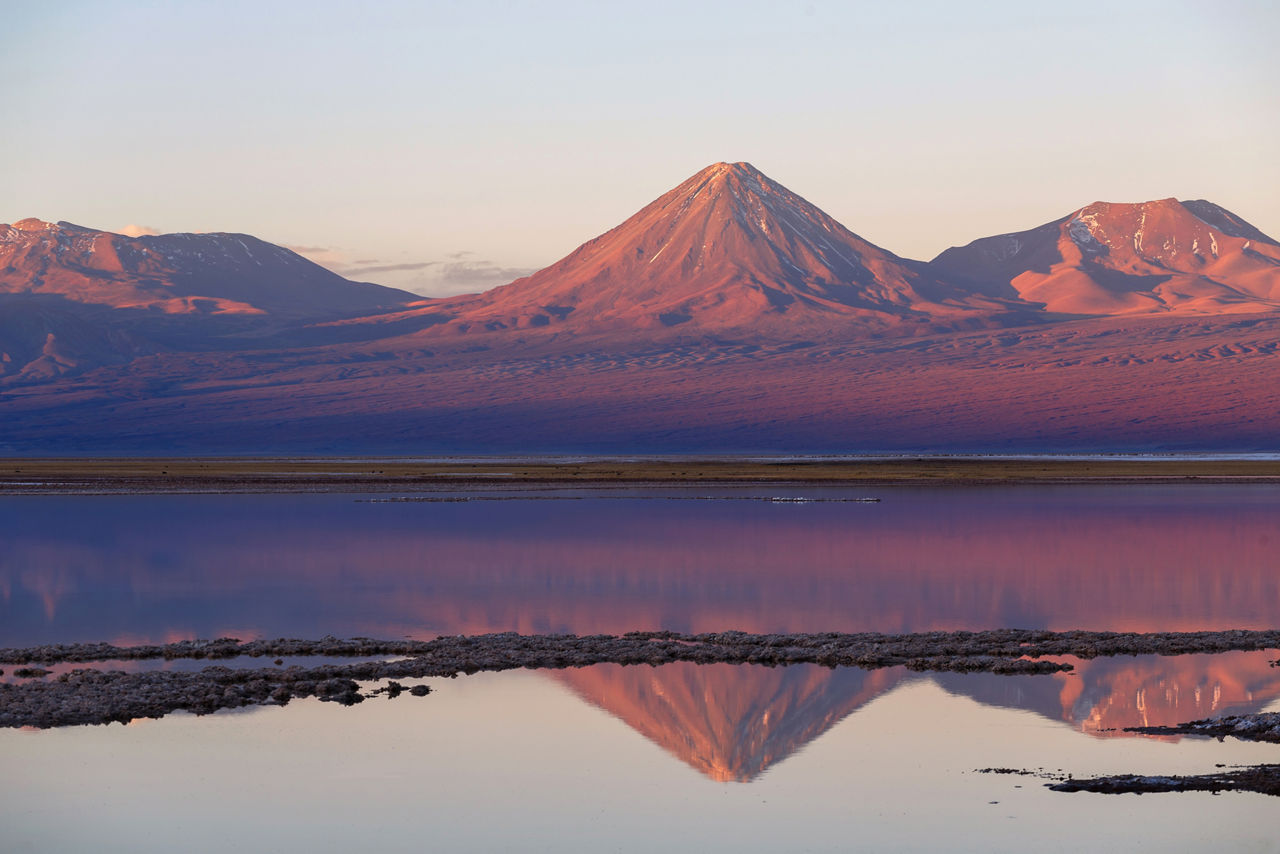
471, 140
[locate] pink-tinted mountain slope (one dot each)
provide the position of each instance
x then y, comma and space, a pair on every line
177, 273
73, 298
729, 249
728, 315
1108, 259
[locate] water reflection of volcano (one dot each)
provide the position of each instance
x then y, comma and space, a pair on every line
729, 722
733, 722
1138, 558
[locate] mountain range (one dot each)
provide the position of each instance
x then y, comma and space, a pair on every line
728, 314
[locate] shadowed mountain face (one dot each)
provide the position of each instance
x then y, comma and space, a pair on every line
729, 249
1107, 259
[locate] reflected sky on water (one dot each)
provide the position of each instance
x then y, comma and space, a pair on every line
1090, 557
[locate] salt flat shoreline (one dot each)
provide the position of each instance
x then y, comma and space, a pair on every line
94, 696
22, 476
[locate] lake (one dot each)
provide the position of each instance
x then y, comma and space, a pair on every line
717, 757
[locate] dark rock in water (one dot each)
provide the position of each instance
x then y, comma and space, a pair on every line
93, 696
420, 690
1263, 779
1263, 726
344, 691
30, 672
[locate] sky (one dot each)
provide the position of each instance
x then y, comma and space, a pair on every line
446, 147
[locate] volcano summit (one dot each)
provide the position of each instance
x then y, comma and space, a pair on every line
730, 250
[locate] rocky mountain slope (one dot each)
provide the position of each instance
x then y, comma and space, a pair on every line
729, 315
730, 250
72, 298
1156, 257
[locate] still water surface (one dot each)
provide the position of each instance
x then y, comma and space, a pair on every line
722, 757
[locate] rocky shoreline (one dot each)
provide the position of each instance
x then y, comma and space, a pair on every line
96, 695
1264, 726
1262, 779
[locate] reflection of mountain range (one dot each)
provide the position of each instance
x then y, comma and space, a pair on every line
732, 723
1105, 695
1139, 558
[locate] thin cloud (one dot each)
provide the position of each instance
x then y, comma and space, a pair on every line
388, 268
479, 273
457, 273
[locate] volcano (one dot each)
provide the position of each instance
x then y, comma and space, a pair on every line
1161, 257
729, 249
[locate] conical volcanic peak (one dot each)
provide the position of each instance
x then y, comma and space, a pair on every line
1151, 257
727, 249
